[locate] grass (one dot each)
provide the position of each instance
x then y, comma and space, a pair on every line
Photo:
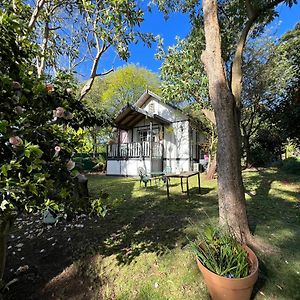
139, 250
144, 253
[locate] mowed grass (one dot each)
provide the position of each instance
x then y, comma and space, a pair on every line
143, 252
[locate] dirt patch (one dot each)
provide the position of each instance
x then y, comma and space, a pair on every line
43, 261
71, 284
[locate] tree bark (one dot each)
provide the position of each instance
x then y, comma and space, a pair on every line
211, 169
232, 205
42, 61
35, 14
247, 151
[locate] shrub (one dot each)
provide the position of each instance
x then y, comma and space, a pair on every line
291, 165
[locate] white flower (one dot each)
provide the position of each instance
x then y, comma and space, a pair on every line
15, 141
70, 165
59, 112
57, 148
49, 88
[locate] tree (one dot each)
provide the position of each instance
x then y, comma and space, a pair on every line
225, 94
258, 94
182, 73
185, 84
271, 117
125, 85
227, 27
287, 111
71, 32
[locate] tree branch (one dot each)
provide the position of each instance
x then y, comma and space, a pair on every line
104, 73
41, 65
100, 50
236, 76
35, 14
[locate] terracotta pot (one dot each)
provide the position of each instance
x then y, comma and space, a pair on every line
221, 288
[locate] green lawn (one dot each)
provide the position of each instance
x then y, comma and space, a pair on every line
142, 248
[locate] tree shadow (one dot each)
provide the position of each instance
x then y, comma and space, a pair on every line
274, 218
140, 220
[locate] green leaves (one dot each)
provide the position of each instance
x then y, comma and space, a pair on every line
182, 72
125, 85
32, 150
221, 254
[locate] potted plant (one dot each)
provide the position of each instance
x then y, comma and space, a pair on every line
230, 269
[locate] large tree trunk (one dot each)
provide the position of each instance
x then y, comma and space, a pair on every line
232, 206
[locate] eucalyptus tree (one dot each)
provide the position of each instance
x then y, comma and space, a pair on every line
72, 32
240, 19
225, 94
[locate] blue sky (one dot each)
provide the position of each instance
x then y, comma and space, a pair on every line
178, 25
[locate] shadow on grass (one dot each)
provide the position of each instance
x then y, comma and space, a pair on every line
150, 223
139, 220
273, 216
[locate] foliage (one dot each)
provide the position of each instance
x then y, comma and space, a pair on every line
125, 85
71, 32
36, 166
286, 61
270, 107
182, 72
291, 166
266, 146
110, 93
221, 253
290, 147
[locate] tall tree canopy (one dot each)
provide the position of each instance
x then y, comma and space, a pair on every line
285, 61
69, 33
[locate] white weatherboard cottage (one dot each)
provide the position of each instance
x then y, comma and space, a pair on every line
153, 135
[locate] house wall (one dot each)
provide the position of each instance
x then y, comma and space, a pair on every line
176, 145
176, 135
130, 167
142, 124
179, 143
163, 110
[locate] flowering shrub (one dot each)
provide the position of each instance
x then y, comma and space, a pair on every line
36, 167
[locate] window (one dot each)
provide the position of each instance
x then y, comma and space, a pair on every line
143, 135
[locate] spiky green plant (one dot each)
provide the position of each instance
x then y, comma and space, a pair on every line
220, 253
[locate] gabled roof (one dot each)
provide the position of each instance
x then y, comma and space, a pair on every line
144, 98
147, 95
130, 115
